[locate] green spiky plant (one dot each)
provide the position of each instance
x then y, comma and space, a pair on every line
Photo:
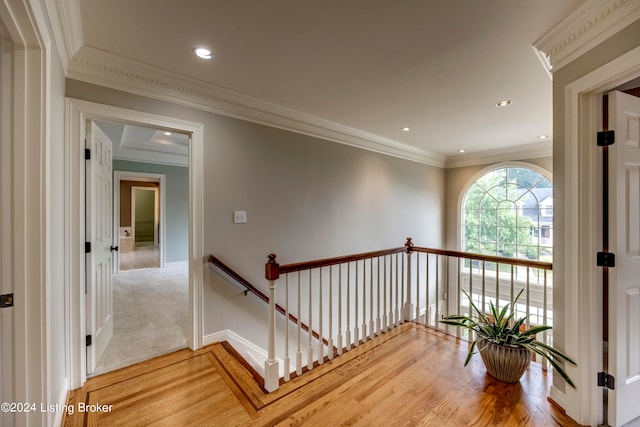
501, 328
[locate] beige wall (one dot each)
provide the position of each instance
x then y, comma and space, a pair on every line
456, 180
305, 198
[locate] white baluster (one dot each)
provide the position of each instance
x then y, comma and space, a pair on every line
287, 360
356, 329
310, 346
330, 344
320, 313
299, 352
371, 325
364, 300
340, 309
398, 292
348, 306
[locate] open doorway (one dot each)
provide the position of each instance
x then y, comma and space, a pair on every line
140, 219
77, 327
149, 289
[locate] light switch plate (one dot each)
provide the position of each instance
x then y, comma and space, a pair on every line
239, 217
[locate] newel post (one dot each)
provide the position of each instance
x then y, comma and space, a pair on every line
271, 368
408, 306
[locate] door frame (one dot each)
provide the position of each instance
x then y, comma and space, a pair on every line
120, 175
582, 281
77, 114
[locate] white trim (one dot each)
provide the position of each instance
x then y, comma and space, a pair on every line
250, 352
161, 179
77, 112
591, 24
115, 72
581, 291
66, 23
523, 152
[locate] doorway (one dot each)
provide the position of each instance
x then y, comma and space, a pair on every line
78, 113
149, 300
146, 249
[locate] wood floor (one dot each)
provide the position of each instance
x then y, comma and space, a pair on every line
140, 257
410, 376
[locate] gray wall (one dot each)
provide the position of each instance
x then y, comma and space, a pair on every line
305, 198
177, 204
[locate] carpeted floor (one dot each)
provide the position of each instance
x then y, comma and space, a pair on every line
150, 315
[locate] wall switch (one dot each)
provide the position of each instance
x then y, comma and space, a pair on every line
239, 217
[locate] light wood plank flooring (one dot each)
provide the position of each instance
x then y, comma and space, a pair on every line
409, 376
140, 257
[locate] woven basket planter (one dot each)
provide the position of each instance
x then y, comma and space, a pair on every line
505, 363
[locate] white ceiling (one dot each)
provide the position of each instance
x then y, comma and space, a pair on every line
372, 66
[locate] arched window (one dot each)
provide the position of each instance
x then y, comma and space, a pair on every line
508, 212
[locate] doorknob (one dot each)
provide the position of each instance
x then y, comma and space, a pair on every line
114, 248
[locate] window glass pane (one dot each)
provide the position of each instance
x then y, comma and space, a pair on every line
509, 212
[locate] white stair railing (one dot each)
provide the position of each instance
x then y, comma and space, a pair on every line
351, 299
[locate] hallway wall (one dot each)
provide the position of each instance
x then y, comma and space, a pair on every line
305, 198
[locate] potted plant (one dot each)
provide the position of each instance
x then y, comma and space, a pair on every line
505, 344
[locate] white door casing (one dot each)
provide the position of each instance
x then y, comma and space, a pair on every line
624, 226
99, 233
77, 113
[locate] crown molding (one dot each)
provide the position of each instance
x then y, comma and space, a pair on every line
94, 66
591, 24
523, 152
66, 25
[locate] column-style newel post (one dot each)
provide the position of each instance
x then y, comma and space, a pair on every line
271, 368
408, 306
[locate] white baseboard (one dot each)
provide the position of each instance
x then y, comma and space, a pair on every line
62, 401
253, 354
558, 397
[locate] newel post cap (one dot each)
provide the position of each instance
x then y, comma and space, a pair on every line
272, 268
409, 244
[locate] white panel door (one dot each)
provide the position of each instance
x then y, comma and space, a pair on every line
624, 291
99, 232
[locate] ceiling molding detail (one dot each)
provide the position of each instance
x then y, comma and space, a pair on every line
66, 24
588, 26
104, 69
524, 152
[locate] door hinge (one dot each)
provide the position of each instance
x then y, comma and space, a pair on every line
87, 247
607, 137
606, 380
606, 259
87, 154
88, 340
6, 300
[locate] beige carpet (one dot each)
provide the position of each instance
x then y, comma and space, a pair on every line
150, 315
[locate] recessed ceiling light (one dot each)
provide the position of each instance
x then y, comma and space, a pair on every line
543, 137
462, 150
406, 129
168, 133
203, 52
503, 103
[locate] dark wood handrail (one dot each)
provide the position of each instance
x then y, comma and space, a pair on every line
489, 258
257, 292
308, 265
273, 269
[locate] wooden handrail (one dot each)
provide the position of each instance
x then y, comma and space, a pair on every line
274, 273
257, 292
489, 258
308, 265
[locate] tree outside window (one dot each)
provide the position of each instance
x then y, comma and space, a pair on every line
503, 215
